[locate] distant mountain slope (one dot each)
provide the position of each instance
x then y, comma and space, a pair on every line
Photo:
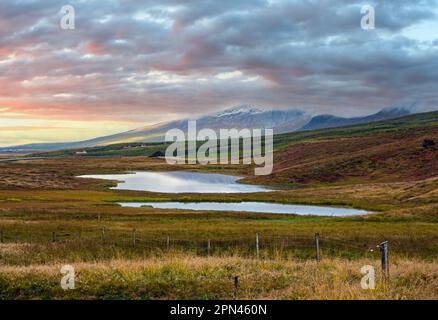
238, 117
384, 151
329, 121
415, 122
282, 121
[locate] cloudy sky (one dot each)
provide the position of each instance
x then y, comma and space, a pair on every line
130, 63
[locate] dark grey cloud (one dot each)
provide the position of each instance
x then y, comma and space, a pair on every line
133, 59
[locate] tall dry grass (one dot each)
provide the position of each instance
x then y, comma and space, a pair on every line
179, 275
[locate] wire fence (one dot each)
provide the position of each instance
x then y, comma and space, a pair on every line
257, 245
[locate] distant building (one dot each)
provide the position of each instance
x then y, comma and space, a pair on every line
81, 152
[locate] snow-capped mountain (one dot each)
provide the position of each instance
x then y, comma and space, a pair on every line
245, 109
245, 116
250, 117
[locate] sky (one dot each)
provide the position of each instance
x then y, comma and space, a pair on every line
130, 63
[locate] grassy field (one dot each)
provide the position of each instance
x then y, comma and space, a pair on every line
49, 218
183, 276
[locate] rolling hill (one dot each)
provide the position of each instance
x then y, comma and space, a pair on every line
384, 151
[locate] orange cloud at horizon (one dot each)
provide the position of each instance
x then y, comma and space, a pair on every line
17, 131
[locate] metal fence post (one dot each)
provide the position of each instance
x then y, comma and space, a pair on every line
384, 257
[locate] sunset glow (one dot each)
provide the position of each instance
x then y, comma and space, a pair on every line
164, 61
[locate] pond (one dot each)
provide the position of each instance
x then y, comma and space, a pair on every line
196, 182
179, 182
260, 207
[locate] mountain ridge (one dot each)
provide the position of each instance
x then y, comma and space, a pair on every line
238, 117
329, 121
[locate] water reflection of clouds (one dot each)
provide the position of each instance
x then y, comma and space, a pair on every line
179, 182
258, 207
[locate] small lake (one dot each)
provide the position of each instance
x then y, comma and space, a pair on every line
179, 182
260, 207
196, 182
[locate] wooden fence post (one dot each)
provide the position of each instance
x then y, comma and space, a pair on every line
1, 236
318, 254
236, 286
257, 246
53, 236
208, 247
103, 234
134, 238
168, 243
